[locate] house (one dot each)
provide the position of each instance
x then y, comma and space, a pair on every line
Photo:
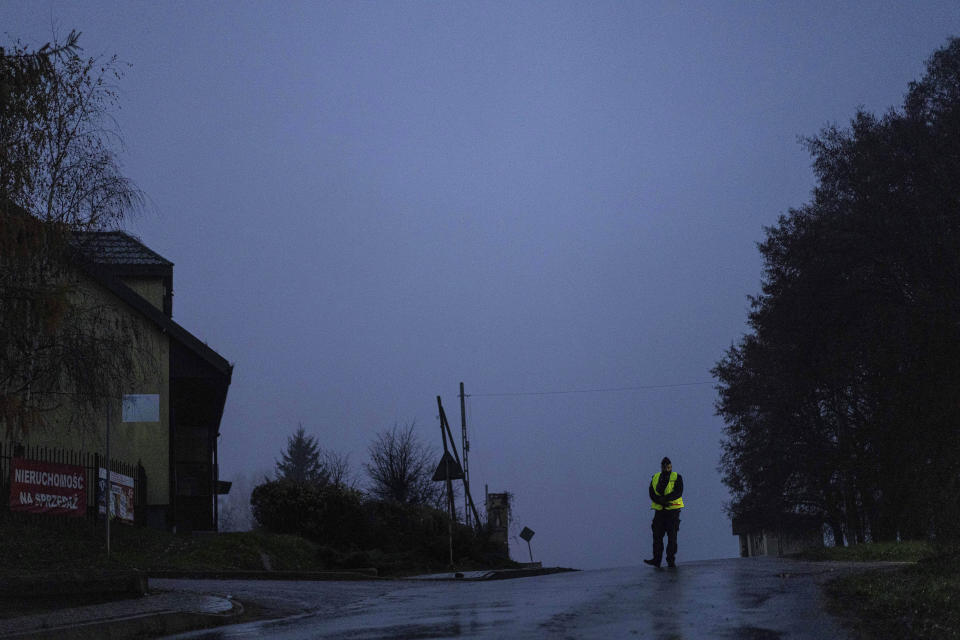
787, 534
129, 285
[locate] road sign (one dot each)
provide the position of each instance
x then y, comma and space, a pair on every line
447, 463
526, 534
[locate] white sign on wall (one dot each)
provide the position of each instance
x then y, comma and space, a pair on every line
141, 407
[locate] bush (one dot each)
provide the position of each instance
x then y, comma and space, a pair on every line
283, 506
352, 532
392, 526
328, 515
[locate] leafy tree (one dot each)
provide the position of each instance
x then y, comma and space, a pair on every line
401, 468
842, 401
59, 175
301, 461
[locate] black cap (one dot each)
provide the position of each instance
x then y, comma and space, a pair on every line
665, 460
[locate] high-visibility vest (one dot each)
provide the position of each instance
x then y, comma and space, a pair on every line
674, 504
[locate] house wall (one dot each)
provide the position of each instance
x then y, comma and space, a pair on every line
73, 427
770, 543
801, 541
150, 289
755, 544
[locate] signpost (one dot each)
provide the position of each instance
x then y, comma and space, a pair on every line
527, 534
136, 407
109, 483
449, 470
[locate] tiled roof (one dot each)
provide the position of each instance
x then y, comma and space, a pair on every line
117, 248
113, 253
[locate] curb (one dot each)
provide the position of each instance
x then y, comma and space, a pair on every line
146, 625
123, 583
508, 574
493, 574
354, 574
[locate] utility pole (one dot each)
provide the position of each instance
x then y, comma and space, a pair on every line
466, 449
446, 462
456, 457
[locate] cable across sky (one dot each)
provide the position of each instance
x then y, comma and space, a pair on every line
600, 390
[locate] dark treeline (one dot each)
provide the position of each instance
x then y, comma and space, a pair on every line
843, 400
353, 529
397, 524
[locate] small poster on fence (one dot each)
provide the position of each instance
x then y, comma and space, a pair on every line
47, 487
121, 500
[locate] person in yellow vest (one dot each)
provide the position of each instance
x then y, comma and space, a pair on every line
666, 499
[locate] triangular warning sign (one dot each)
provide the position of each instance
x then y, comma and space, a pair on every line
447, 463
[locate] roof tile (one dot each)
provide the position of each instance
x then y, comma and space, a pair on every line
117, 248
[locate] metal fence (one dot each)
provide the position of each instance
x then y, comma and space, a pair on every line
91, 463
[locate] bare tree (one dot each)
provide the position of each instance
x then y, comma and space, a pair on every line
235, 513
401, 468
337, 468
59, 137
58, 175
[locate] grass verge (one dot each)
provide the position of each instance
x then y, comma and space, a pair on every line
920, 600
31, 547
908, 551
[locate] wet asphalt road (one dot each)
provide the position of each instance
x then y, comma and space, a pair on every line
749, 599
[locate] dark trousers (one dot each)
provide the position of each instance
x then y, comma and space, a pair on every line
665, 522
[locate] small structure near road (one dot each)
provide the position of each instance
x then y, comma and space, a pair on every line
498, 517
787, 534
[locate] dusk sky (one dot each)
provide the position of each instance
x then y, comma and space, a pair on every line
557, 204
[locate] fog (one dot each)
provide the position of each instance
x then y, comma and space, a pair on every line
555, 203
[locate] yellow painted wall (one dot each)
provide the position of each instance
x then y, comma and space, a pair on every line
147, 443
150, 289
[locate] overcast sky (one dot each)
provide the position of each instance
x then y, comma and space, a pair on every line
369, 202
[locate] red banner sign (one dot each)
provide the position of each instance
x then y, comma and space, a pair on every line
46, 487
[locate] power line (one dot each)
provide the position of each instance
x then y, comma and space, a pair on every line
603, 390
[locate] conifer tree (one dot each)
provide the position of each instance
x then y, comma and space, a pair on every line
301, 460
